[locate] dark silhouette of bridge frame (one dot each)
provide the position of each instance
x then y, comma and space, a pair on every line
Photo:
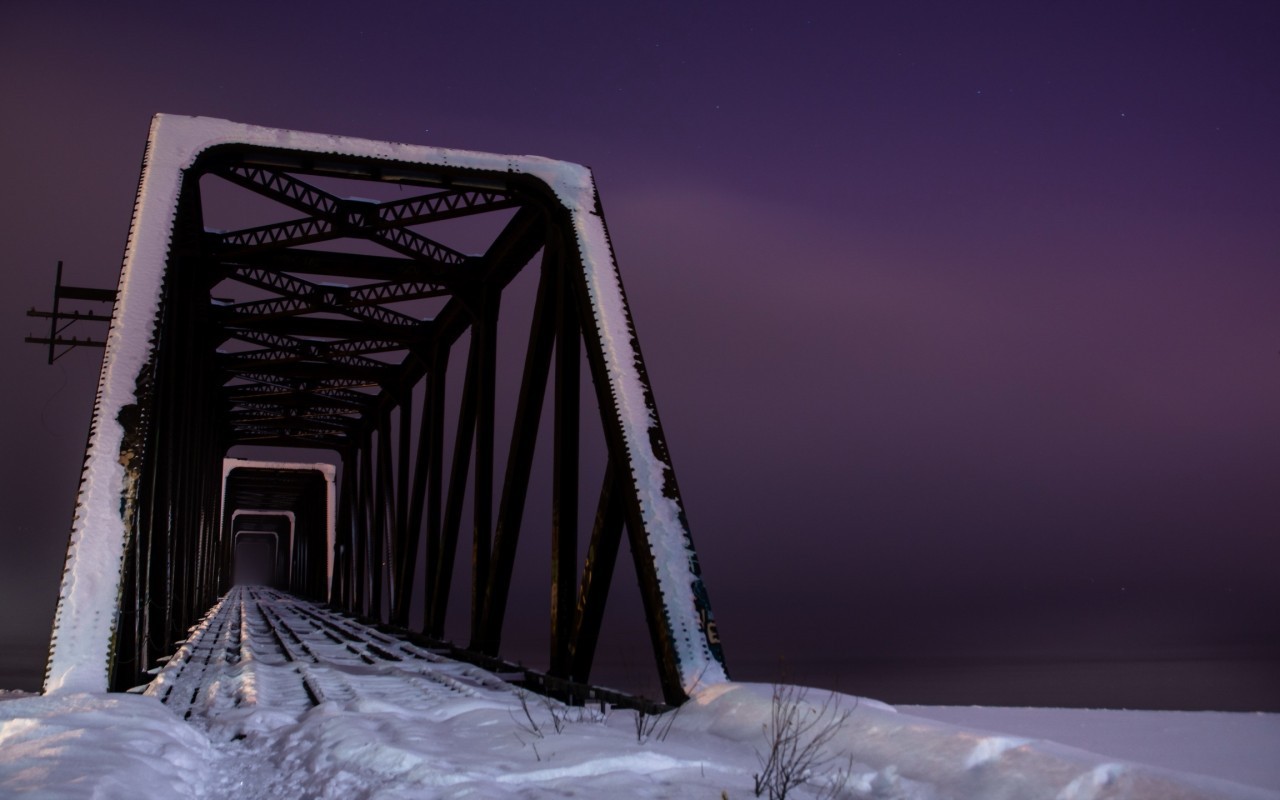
351, 348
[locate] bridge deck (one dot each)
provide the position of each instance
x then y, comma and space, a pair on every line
262, 648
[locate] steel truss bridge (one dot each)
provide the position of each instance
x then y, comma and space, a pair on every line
296, 290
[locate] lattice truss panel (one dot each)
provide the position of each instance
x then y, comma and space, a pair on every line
310, 357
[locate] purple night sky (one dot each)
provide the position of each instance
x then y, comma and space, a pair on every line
962, 318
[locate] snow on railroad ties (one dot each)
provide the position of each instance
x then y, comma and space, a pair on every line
285, 699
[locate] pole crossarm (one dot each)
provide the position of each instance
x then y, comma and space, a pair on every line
61, 319
373, 331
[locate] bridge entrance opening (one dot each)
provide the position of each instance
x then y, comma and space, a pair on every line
289, 506
255, 559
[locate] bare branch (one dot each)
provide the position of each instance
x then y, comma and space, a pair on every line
796, 738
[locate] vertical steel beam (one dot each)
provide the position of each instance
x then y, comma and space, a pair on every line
386, 518
597, 576
485, 333
404, 427
155, 579
515, 484
226, 549
406, 539
364, 530
564, 501
458, 470
434, 418
339, 593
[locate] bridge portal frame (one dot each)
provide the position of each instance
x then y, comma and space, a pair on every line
639, 489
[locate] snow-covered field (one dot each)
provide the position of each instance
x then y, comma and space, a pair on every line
280, 700
129, 746
1234, 746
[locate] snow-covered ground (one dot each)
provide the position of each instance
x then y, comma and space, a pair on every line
1237, 747
283, 700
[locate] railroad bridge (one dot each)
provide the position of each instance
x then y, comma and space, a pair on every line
340, 298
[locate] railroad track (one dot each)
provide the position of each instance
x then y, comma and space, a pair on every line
259, 647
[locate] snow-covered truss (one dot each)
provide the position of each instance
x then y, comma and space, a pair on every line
319, 318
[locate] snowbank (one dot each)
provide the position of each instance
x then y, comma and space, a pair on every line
906, 756
99, 746
113, 746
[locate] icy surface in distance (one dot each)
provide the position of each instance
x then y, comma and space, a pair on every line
1235, 746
